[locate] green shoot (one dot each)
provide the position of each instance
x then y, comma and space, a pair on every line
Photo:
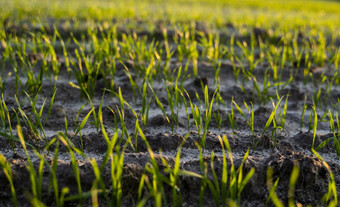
8, 172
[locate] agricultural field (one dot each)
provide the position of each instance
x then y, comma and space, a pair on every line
169, 103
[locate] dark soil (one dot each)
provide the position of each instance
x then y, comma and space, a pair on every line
290, 147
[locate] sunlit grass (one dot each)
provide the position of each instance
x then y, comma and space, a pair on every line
160, 46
